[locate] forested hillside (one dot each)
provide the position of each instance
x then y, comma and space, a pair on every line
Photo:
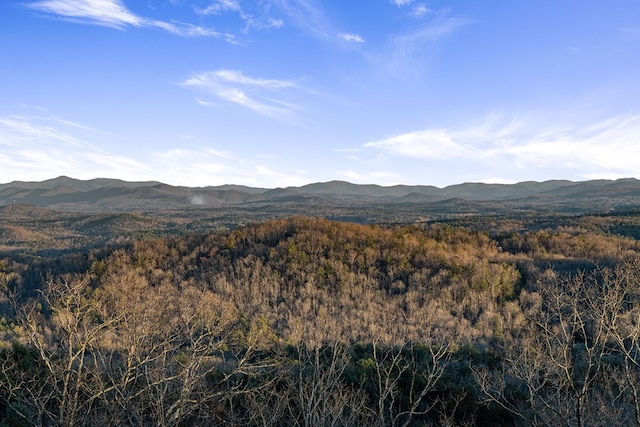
113, 195
306, 321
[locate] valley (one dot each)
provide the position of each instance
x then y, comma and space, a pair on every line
339, 304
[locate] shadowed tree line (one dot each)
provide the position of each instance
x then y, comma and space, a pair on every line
305, 321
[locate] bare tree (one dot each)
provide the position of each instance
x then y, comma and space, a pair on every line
65, 344
178, 353
562, 369
129, 353
404, 375
320, 396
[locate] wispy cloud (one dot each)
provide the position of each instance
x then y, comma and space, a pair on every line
220, 6
401, 3
257, 94
39, 147
232, 76
419, 9
407, 44
307, 15
429, 144
258, 18
206, 166
606, 148
204, 103
43, 147
351, 38
109, 13
114, 14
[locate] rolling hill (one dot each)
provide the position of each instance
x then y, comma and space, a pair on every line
113, 195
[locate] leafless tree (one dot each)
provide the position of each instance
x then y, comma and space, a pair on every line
565, 367
320, 396
421, 365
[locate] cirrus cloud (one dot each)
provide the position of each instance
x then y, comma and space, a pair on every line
262, 96
604, 149
114, 14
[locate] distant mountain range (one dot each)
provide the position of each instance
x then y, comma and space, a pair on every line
112, 195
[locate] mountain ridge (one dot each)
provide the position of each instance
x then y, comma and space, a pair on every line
106, 194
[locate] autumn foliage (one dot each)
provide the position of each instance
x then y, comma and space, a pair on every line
306, 321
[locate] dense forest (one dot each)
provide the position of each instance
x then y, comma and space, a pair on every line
312, 322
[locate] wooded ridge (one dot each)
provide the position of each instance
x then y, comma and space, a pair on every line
308, 321
109, 195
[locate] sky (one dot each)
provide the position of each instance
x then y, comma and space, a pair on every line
277, 93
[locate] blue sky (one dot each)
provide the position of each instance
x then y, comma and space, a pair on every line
275, 93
